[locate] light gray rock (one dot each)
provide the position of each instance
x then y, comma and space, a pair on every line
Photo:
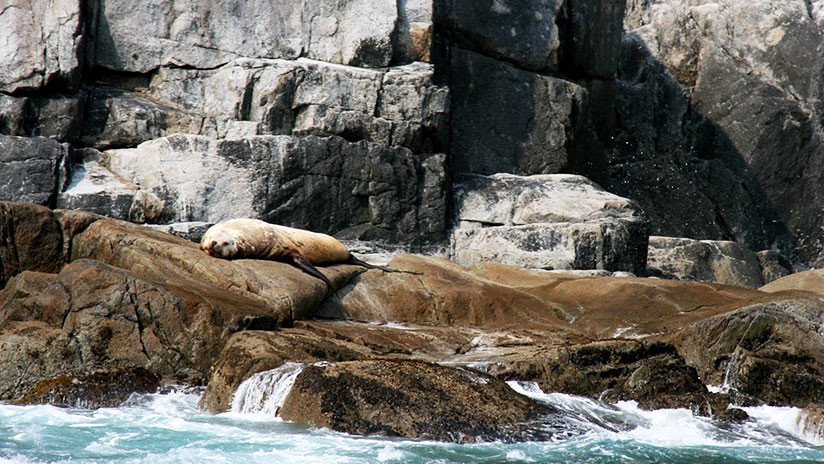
722, 262
140, 37
401, 106
357, 190
96, 189
32, 169
556, 221
41, 44
505, 119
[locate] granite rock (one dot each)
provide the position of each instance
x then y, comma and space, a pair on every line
548, 222
722, 262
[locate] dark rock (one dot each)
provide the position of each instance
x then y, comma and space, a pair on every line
590, 34
713, 162
92, 391
505, 119
117, 119
653, 374
416, 400
32, 170
57, 117
522, 32
774, 265
251, 351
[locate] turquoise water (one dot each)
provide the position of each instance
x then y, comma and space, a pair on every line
168, 428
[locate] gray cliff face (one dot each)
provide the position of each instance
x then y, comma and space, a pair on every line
721, 101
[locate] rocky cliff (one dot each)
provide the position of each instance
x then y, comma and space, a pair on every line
519, 138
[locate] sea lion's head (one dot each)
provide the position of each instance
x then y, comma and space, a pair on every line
220, 243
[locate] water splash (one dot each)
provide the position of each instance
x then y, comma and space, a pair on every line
265, 392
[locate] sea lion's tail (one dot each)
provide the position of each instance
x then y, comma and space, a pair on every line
353, 260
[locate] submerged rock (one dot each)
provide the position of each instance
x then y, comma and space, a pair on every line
92, 391
415, 399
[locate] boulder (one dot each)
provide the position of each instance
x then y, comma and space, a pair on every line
568, 309
414, 399
765, 353
32, 170
651, 373
36, 239
357, 190
100, 318
42, 44
722, 262
141, 38
505, 119
86, 294
547, 222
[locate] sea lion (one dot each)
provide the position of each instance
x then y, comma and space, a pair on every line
256, 239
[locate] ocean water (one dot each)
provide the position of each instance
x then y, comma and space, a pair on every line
168, 428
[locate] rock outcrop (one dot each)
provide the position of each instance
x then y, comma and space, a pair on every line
713, 164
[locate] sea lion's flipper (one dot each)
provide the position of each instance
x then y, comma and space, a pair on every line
353, 260
307, 267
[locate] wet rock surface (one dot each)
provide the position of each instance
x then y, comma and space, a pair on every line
415, 399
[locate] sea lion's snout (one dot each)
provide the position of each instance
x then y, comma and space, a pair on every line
208, 248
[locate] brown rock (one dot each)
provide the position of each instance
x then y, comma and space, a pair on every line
414, 399
810, 281
496, 296
34, 238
